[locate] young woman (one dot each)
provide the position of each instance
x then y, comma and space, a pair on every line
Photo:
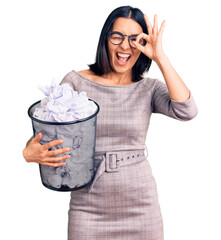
122, 200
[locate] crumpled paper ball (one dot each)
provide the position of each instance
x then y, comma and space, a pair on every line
63, 104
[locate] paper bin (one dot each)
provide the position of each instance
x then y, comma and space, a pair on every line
80, 136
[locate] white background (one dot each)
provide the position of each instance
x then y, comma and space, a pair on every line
44, 40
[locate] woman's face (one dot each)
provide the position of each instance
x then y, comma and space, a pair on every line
123, 57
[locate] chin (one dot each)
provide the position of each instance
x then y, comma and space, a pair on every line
122, 71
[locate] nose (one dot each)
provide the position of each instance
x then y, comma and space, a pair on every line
125, 44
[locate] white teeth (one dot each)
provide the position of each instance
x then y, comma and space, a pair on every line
123, 55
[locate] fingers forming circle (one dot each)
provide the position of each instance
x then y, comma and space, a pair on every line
143, 36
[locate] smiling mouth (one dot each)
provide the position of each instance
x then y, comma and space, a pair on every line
123, 57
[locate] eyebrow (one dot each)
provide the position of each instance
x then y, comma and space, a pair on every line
126, 34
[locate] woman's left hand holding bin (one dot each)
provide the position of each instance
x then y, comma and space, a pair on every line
35, 152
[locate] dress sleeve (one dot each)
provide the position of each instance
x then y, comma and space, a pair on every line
162, 103
70, 79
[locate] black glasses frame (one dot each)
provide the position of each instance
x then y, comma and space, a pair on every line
123, 37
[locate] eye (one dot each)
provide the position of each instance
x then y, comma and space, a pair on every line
116, 38
133, 39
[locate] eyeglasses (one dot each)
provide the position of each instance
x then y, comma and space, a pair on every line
117, 38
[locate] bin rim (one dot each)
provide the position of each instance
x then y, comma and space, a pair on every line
61, 123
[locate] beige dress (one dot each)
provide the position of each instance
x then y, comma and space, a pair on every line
122, 201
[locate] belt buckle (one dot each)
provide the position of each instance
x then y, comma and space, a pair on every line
112, 164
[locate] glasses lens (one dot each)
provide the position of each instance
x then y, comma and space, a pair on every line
134, 39
116, 38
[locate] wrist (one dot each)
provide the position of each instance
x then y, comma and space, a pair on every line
162, 61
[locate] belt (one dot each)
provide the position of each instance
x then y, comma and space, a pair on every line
113, 161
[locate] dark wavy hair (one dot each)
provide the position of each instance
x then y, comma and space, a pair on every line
102, 64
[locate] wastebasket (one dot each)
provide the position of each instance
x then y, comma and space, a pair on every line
80, 136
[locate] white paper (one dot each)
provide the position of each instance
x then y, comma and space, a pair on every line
63, 104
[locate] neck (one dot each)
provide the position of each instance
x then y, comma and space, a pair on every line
119, 78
